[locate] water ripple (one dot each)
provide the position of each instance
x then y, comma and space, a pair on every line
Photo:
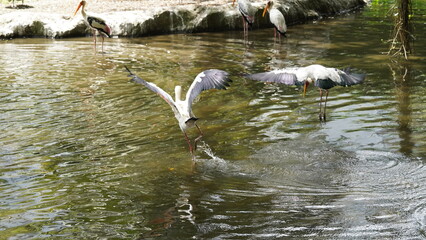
85, 153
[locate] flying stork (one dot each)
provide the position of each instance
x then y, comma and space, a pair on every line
208, 79
322, 77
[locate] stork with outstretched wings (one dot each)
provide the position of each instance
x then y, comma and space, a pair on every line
208, 79
322, 77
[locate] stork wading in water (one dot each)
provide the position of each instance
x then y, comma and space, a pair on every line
208, 79
247, 14
277, 19
95, 23
322, 77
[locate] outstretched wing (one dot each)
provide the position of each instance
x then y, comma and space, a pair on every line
276, 76
154, 88
348, 79
206, 80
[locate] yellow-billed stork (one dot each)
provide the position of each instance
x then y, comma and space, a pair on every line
247, 13
276, 18
322, 77
96, 23
208, 79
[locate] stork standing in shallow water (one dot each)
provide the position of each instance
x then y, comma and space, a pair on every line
208, 79
95, 23
322, 77
276, 18
247, 13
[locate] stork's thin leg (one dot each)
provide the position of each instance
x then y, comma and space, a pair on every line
190, 146
325, 103
244, 26
275, 35
320, 105
199, 137
102, 42
94, 39
246, 30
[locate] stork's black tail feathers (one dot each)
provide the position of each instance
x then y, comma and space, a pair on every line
284, 34
191, 120
249, 20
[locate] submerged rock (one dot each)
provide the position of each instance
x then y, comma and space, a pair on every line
179, 19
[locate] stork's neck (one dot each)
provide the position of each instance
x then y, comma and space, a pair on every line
178, 92
83, 11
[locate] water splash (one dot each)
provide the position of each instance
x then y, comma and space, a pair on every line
214, 161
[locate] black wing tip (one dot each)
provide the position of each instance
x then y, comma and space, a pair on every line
134, 77
248, 75
223, 74
128, 70
350, 78
359, 76
347, 70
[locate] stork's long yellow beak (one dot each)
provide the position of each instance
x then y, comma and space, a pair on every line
265, 10
78, 8
305, 87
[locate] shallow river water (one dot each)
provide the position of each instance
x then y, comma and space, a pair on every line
86, 154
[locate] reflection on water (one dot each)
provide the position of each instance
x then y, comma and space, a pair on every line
84, 153
402, 78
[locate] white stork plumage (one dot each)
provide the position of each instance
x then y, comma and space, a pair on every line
276, 18
208, 79
322, 77
96, 23
247, 14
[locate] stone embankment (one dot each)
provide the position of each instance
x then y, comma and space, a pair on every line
131, 18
